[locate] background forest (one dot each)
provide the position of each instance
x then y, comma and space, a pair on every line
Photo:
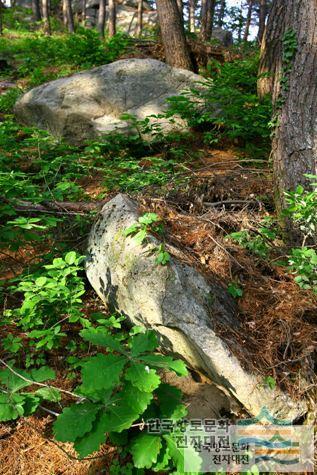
231, 193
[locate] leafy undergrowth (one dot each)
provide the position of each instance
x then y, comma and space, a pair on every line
217, 208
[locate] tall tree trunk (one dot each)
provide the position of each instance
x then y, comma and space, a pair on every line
221, 13
207, 18
262, 19
112, 25
1, 17
180, 9
68, 15
140, 18
294, 146
102, 18
64, 13
84, 12
191, 15
173, 36
36, 10
248, 20
46, 16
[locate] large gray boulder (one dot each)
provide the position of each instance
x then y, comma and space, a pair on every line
91, 103
176, 301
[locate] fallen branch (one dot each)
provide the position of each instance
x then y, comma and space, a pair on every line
56, 207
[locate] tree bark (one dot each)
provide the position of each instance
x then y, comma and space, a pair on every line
191, 15
180, 9
207, 18
36, 10
140, 19
46, 17
248, 20
102, 18
294, 147
68, 15
173, 36
1, 17
222, 13
112, 21
262, 19
84, 12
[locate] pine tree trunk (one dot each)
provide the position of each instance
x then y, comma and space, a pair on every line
101, 18
84, 12
46, 17
64, 13
140, 18
207, 18
191, 15
1, 18
69, 15
294, 146
262, 19
248, 21
173, 36
112, 17
222, 13
180, 9
36, 10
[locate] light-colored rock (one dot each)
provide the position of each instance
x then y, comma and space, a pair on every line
91, 103
177, 302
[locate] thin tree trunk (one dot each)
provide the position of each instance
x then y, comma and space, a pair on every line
222, 13
46, 17
262, 19
112, 17
69, 16
64, 13
102, 18
173, 36
36, 10
84, 13
140, 19
191, 15
294, 147
207, 18
248, 21
1, 18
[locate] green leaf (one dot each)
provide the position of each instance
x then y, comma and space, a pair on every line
41, 281
135, 399
75, 421
193, 460
166, 362
49, 394
101, 339
162, 459
120, 417
145, 449
70, 257
102, 371
91, 441
144, 342
11, 406
169, 399
270, 382
142, 377
30, 404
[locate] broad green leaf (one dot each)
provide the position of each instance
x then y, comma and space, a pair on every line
11, 407
91, 441
144, 342
40, 281
49, 394
70, 257
145, 449
102, 371
42, 374
75, 421
142, 377
193, 460
135, 399
162, 459
166, 362
14, 383
119, 417
101, 339
30, 404
169, 399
